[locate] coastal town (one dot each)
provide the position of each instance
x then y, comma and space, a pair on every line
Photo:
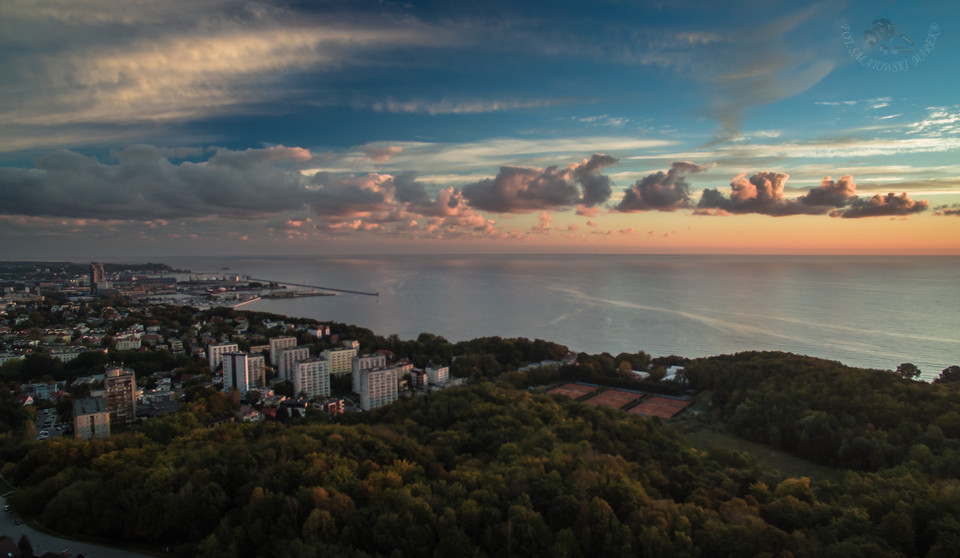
115, 398
55, 319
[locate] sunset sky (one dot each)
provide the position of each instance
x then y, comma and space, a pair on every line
191, 127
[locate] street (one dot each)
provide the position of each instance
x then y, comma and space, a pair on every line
43, 542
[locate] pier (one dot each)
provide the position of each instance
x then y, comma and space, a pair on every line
314, 287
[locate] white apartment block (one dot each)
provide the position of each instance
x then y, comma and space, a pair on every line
277, 344
438, 375
377, 388
237, 372
215, 353
288, 360
91, 418
312, 378
365, 362
341, 360
127, 344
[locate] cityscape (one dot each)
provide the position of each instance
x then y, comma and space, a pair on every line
402, 278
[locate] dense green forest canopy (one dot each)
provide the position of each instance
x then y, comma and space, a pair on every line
478, 471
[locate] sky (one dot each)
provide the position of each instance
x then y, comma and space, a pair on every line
221, 127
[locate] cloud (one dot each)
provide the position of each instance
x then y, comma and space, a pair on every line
144, 184
448, 106
585, 211
763, 193
150, 184
525, 189
596, 187
543, 224
882, 206
380, 155
661, 191
830, 193
940, 121
124, 73
948, 210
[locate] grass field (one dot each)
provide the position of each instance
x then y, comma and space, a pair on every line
775, 459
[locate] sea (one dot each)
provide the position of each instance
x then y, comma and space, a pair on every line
864, 311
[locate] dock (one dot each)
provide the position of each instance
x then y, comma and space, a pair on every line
331, 289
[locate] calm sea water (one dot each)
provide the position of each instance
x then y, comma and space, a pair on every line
872, 312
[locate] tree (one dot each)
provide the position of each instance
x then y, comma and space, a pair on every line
949, 374
25, 546
908, 371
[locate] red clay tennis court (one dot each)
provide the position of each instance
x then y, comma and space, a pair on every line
613, 398
660, 407
573, 391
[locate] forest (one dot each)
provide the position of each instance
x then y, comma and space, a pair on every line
496, 470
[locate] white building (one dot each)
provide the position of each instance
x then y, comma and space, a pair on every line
215, 353
378, 388
288, 358
277, 344
128, 344
438, 375
341, 360
311, 377
365, 362
242, 371
91, 418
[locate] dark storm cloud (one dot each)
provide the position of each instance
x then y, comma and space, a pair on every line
524, 189
888, 205
663, 191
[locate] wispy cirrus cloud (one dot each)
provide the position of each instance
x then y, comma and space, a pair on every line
456, 106
103, 68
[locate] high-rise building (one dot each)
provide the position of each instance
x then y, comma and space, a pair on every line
90, 418
236, 372
215, 353
256, 366
288, 361
365, 362
311, 378
277, 344
378, 388
120, 388
341, 360
96, 276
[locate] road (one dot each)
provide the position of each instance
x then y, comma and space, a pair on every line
42, 542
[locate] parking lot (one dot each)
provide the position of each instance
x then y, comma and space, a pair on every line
48, 427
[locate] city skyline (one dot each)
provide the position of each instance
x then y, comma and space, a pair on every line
226, 127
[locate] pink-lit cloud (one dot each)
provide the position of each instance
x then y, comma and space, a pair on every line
526, 189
